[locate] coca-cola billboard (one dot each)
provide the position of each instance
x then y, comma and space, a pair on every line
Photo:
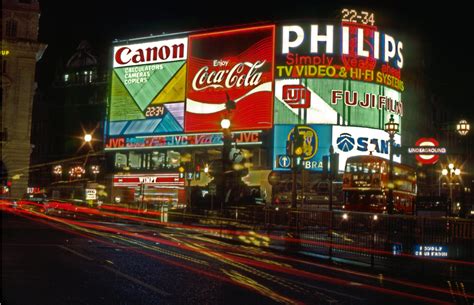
234, 64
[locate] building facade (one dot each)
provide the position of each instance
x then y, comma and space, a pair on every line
20, 52
341, 81
73, 105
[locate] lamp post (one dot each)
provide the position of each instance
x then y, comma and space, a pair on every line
391, 127
227, 143
95, 170
227, 140
450, 173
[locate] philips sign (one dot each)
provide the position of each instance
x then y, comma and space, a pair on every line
353, 141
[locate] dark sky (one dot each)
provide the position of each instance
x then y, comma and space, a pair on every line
443, 30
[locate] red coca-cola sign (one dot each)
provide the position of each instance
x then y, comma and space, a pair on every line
234, 64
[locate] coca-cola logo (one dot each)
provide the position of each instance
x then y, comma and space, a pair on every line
244, 74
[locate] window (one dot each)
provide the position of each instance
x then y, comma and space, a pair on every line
11, 28
173, 158
158, 160
120, 160
135, 160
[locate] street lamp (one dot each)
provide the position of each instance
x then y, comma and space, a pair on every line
391, 127
95, 170
58, 171
450, 173
463, 127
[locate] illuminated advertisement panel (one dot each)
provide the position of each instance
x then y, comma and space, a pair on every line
346, 51
230, 65
335, 101
170, 179
354, 141
182, 140
148, 89
317, 140
347, 142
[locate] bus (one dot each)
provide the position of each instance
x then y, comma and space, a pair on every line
365, 184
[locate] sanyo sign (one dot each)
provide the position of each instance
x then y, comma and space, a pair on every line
355, 141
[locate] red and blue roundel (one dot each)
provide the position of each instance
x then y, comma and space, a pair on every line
427, 159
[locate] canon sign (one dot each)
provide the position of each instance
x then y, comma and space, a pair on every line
151, 52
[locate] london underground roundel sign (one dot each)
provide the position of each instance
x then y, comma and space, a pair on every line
427, 143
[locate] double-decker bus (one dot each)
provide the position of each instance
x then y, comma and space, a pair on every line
365, 185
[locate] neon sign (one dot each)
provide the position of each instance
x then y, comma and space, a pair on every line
181, 140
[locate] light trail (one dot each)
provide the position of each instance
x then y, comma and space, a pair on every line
278, 268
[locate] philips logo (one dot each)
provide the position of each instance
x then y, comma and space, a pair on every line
345, 142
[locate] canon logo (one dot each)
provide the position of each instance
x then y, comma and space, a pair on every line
237, 76
151, 52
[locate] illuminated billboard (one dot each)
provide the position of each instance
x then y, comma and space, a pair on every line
355, 141
317, 140
335, 101
346, 51
347, 142
236, 65
148, 84
182, 140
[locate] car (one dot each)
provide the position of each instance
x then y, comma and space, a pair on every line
36, 200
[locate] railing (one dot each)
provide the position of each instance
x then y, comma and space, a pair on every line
365, 237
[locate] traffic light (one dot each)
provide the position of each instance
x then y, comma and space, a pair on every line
334, 165
299, 142
197, 173
325, 167
181, 172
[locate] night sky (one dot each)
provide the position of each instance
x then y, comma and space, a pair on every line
443, 30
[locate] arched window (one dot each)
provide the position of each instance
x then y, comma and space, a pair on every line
11, 28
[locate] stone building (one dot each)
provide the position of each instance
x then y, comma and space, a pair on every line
20, 52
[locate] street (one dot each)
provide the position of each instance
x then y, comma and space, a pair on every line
80, 259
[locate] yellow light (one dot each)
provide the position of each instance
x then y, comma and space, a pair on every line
299, 151
225, 123
181, 169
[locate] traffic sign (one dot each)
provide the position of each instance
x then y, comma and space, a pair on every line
427, 150
284, 161
91, 194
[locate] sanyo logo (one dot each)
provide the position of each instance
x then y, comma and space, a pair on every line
346, 142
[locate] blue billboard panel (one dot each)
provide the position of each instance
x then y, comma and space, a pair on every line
317, 140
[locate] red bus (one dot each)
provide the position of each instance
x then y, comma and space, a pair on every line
365, 184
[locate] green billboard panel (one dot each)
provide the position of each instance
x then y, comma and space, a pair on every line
334, 101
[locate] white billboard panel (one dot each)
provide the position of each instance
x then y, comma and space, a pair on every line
354, 141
